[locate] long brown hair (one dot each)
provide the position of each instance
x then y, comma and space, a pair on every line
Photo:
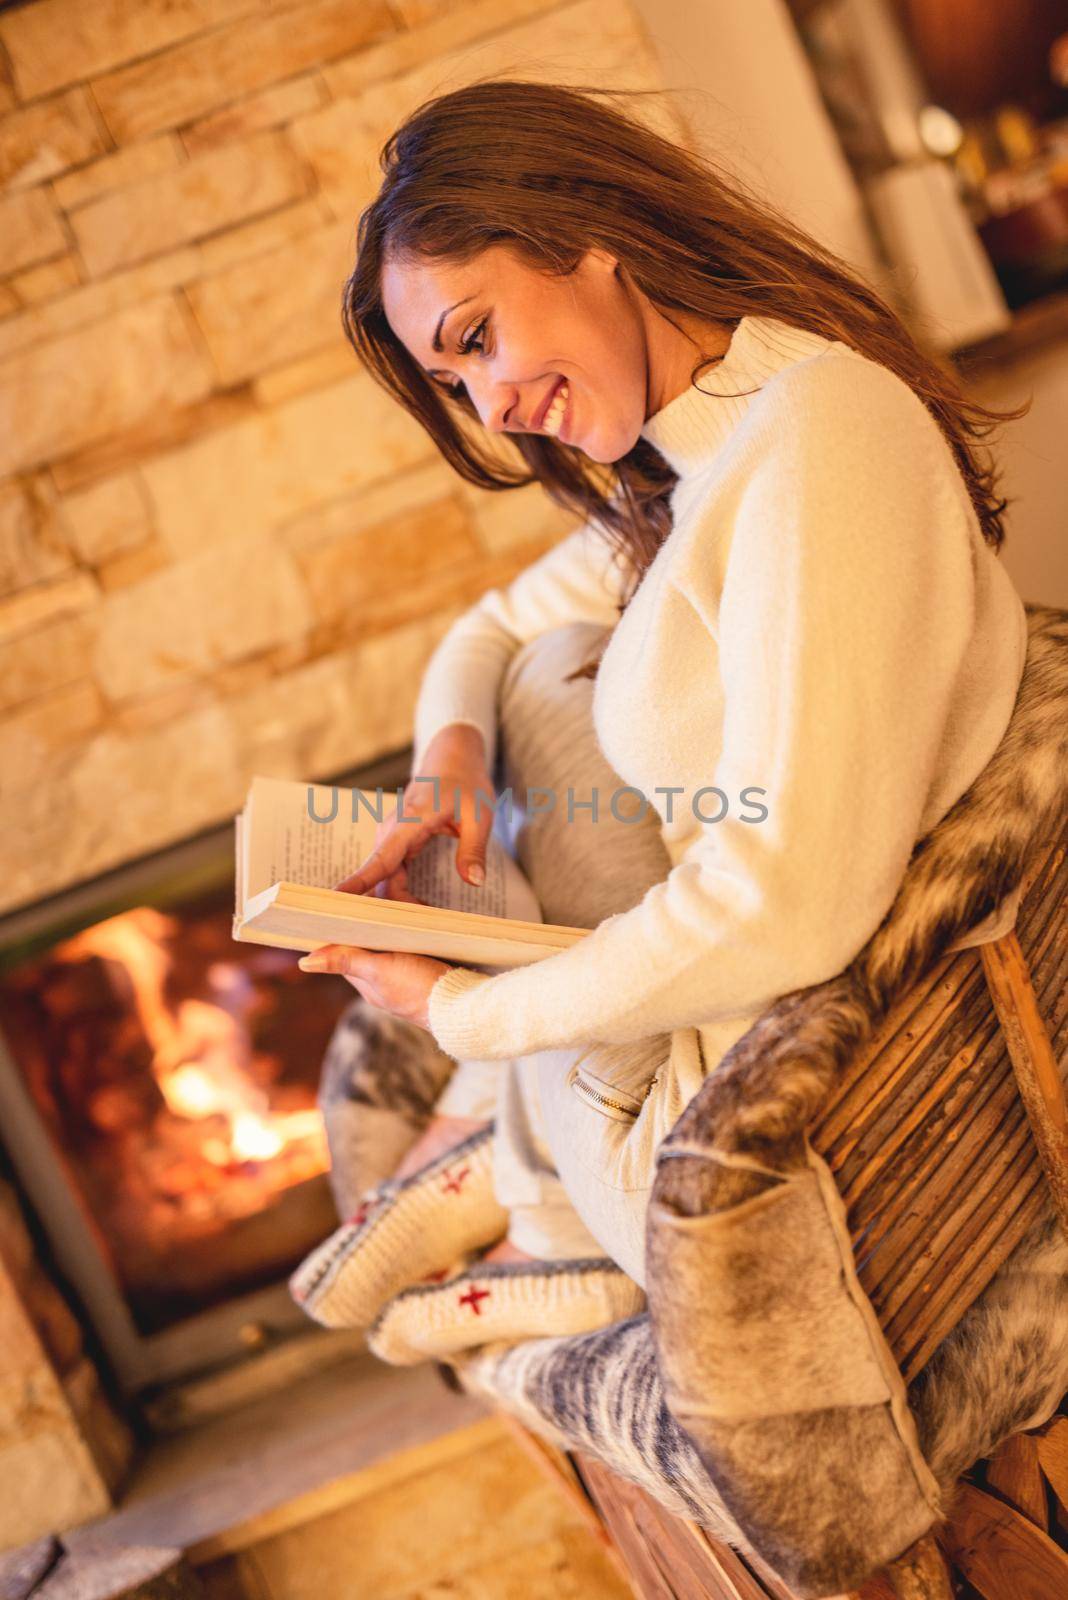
551, 171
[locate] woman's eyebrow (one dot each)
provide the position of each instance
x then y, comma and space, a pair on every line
436, 343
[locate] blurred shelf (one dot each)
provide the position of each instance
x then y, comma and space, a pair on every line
1036, 326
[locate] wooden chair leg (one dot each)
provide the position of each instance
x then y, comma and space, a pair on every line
921, 1573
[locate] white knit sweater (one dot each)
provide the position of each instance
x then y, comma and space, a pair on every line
825, 624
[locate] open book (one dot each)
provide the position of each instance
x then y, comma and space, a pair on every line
295, 840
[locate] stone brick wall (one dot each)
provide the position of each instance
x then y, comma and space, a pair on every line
222, 549
62, 1448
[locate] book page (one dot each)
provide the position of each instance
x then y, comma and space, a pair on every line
433, 878
282, 842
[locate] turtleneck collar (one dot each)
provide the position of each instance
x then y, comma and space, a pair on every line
689, 429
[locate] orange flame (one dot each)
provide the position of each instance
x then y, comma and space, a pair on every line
201, 1053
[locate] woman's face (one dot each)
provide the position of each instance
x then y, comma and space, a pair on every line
529, 332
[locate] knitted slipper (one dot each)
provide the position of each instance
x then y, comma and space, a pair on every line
507, 1300
403, 1231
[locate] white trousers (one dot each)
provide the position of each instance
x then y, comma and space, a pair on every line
577, 1129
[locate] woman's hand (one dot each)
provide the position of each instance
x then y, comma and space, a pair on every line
392, 980
456, 758
397, 982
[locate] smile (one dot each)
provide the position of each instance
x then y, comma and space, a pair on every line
553, 421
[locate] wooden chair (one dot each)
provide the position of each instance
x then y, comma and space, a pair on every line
948, 1140
1005, 1541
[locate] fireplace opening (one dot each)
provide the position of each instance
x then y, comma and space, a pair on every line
158, 1084
176, 1074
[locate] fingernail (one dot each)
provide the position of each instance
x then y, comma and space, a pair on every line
312, 963
476, 872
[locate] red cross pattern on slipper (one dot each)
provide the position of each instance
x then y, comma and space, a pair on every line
363, 1211
503, 1301
427, 1223
472, 1298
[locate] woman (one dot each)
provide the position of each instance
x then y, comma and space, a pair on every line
815, 651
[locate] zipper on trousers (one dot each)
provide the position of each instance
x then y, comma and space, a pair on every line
604, 1103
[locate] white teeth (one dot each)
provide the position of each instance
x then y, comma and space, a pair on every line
555, 414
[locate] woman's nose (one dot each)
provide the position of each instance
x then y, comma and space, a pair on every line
498, 406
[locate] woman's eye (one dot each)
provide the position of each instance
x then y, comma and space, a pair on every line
471, 342
466, 346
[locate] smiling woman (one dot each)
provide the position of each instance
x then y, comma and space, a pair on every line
788, 564
528, 233
590, 345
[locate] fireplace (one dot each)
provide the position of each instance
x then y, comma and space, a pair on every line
158, 1103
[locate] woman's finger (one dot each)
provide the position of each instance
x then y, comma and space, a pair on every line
394, 849
395, 887
339, 958
474, 839
383, 860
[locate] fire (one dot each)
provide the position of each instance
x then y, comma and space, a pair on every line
253, 1139
176, 1075
190, 1092
202, 1058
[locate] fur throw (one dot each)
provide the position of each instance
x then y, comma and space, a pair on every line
744, 1217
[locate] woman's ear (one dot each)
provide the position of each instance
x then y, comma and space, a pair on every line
604, 260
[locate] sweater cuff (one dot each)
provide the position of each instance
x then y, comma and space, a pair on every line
448, 1012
